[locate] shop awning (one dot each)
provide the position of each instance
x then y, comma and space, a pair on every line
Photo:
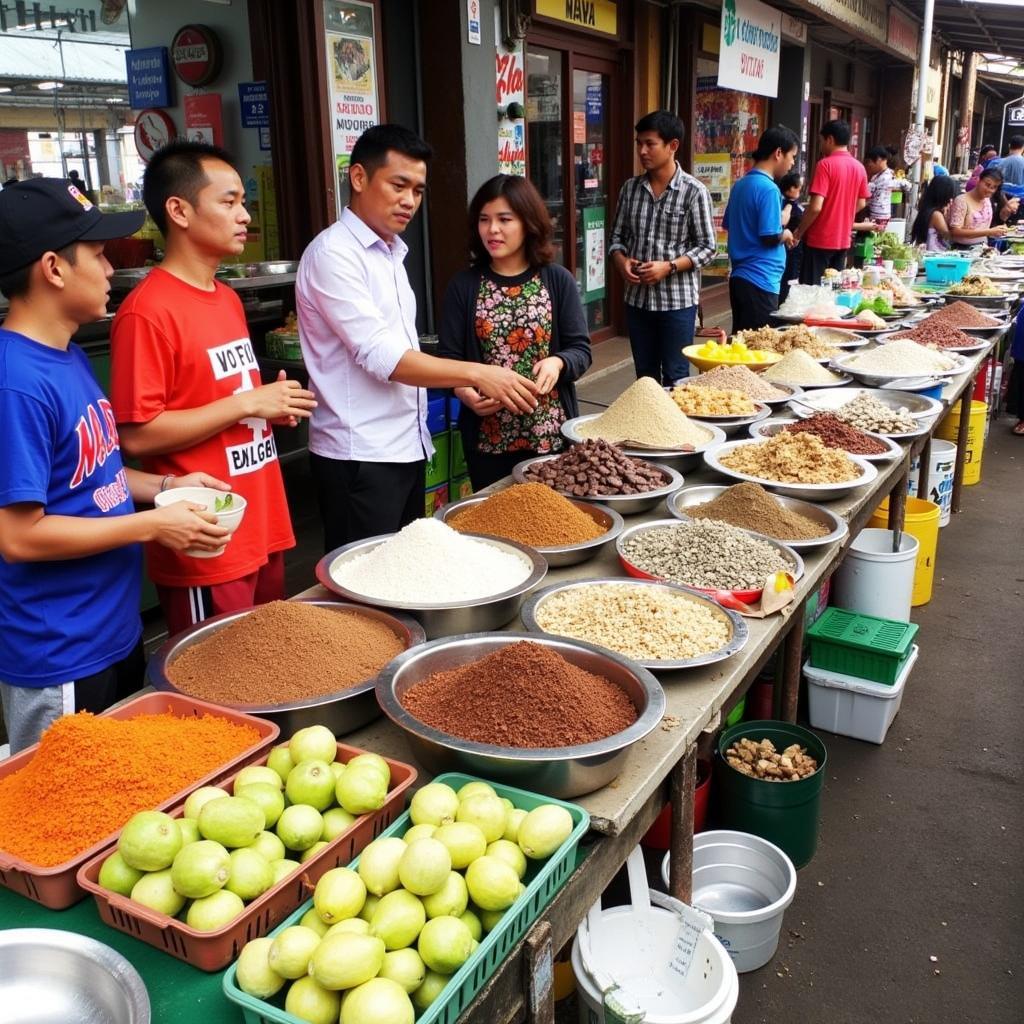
987, 26
27, 59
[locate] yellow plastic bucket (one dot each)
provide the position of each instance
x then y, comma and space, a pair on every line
949, 428
922, 522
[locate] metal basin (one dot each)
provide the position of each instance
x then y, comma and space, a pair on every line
624, 504
846, 365
566, 554
562, 772
808, 492
731, 425
443, 618
836, 525
759, 431
681, 460
49, 976
919, 406
738, 632
342, 712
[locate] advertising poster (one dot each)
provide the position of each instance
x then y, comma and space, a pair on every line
728, 122
510, 97
203, 118
593, 253
715, 171
351, 77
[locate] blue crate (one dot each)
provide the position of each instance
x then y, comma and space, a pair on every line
437, 415
946, 269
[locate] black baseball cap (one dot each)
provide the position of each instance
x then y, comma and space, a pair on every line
45, 214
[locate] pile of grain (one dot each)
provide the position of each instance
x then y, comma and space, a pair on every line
738, 378
792, 459
797, 367
644, 414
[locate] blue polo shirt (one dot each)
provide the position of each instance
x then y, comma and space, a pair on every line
62, 620
755, 210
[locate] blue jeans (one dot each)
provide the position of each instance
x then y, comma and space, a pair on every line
657, 338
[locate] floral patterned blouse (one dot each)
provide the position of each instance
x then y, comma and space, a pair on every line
513, 325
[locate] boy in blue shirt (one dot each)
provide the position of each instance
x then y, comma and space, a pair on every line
70, 538
758, 236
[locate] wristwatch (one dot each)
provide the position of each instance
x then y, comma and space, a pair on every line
672, 268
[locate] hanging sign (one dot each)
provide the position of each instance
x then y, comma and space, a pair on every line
510, 95
196, 54
149, 78
749, 47
595, 15
203, 118
153, 129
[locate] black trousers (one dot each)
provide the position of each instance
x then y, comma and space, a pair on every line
486, 468
752, 307
364, 499
817, 261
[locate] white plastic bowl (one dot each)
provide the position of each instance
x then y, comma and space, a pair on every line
230, 518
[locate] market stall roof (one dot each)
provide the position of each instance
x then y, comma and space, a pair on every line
988, 26
24, 58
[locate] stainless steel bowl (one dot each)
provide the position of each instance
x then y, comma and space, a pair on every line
737, 626
49, 976
885, 339
624, 504
846, 365
443, 618
784, 548
838, 337
919, 406
842, 379
272, 267
982, 301
792, 391
759, 431
679, 502
562, 772
733, 424
808, 492
565, 554
682, 461
342, 712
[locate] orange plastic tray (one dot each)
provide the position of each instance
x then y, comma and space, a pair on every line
213, 951
56, 887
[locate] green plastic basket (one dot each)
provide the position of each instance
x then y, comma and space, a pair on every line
861, 645
543, 880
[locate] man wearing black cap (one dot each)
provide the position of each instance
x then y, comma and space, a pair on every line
70, 554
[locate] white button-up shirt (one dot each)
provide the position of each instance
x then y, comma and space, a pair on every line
357, 318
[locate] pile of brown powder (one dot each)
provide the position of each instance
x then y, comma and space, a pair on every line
530, 514
284, 651
523, 695
644, 414
750, 507
738, 378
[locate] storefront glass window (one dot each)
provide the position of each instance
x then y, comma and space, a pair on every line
544, 126
590, 147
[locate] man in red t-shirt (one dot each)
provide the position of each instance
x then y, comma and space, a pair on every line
186, 390
839, 191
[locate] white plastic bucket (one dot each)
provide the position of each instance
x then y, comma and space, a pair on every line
633, 946
940, 477
745, 883
874, 579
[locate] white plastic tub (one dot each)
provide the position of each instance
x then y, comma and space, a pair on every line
875, 580
745, 883
850, 706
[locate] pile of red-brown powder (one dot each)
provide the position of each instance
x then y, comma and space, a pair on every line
522, 695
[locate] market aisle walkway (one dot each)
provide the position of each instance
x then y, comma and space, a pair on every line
912, 909
920, 852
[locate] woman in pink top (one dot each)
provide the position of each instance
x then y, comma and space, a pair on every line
970, 216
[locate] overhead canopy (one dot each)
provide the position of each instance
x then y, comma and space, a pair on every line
985, 27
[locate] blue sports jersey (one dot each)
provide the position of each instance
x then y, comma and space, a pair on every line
62, 621
754, 212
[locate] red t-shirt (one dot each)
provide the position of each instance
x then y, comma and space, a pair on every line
841, 180
174, 346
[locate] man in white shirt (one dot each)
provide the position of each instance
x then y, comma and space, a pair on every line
368, 437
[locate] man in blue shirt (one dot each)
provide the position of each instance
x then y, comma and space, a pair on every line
758, 236
70, 538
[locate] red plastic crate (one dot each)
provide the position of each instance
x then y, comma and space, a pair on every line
56, 887
213, 951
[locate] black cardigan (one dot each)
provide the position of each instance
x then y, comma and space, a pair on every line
570, 340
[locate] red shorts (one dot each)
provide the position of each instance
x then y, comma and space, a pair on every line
185, 606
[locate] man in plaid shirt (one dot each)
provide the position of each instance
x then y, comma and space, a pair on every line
663, 234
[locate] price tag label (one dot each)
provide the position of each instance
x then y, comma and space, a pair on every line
684, 949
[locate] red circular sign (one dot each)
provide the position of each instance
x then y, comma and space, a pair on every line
196, 54
153, 129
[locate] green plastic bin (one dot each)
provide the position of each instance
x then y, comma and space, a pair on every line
543, 879
437, 464
458, 455
861, 645
784, 813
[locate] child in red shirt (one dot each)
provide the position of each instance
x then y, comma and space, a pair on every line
186, 390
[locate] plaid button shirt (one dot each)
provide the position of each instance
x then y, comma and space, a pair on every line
677, 223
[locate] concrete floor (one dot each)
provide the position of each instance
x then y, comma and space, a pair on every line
920, 844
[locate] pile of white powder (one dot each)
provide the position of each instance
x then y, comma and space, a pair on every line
903, 357
429, 563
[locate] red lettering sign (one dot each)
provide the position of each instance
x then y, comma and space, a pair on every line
510, 79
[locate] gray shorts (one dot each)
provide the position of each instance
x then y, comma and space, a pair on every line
30, 710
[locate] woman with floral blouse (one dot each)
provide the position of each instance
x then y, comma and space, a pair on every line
515, 308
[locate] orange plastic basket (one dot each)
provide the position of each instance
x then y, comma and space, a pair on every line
56, 887
212, 951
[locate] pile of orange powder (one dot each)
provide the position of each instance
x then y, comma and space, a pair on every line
91, 774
